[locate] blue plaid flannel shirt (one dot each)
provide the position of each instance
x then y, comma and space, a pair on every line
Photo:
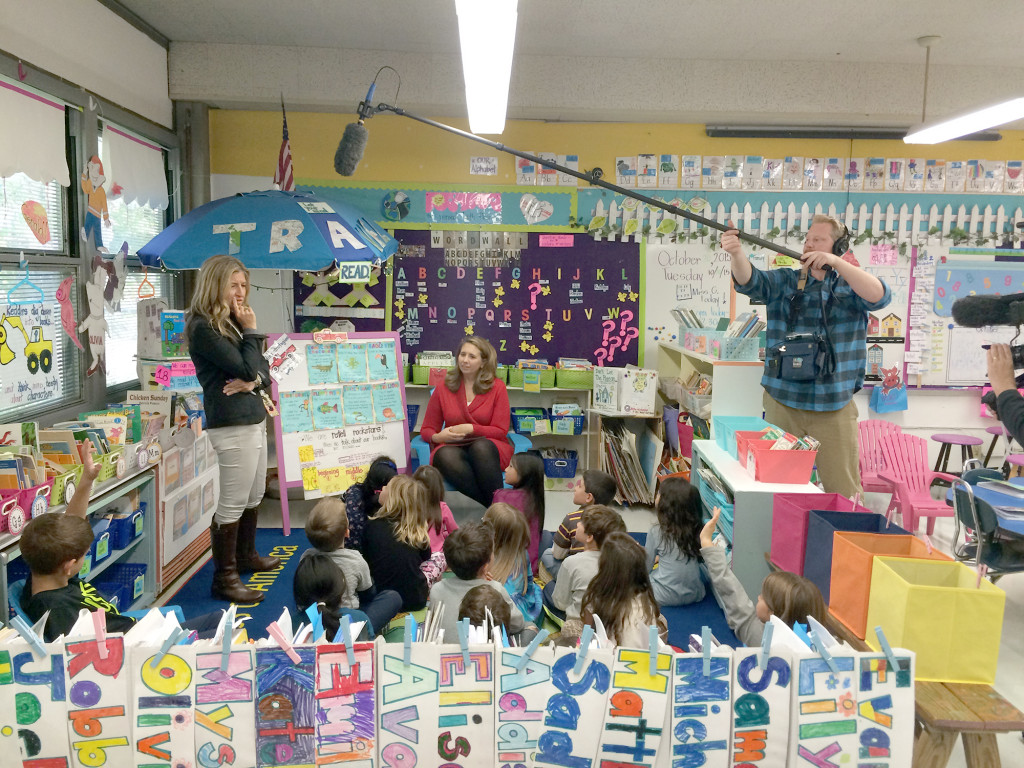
847, 325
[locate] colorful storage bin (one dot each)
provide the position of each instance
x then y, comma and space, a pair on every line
853, 555
725, 428
821, 526
412, 412
938, 610
574, 378
774, 466
524, 420
131, 575
560, 467
547, 378
790, 512
125, 530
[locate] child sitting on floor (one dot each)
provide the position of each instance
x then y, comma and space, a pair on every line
395, 542
511, 565
440, 519
597, 488
620, 593
790, 597
480, 601
326, 529
525, 473
319, 581
674, 542
362, 500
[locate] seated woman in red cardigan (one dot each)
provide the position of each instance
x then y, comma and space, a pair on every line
467, 421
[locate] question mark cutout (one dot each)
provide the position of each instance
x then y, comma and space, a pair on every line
600, 354
613, 343
534, 289
609, 326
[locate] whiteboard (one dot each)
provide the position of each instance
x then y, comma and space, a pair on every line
966, 361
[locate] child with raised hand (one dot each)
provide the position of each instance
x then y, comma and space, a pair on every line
395, 541
511, 564
362, 500
439, 518
318, 581
326, 529
790, 597
674, 542
525, 473
620, 593
597, 488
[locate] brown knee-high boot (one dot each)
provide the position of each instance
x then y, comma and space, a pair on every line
248, 559
226, 584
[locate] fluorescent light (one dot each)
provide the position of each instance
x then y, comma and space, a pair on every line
978, 120
487, 33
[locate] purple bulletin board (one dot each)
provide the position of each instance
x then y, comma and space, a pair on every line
317, 306
561, 296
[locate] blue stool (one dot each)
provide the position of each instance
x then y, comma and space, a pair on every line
419, 447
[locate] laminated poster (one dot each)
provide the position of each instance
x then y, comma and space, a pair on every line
359, 404
691, 170
381, 362
956, 176
761, 703
668, 171
572, 162
935, 175
752, 172
874, 174
1014, 181
915, 173
547, 177
636, 708
327, 408
793, 173
701, 710
895, 174
322, 363
99, 726
855, 174
352, 363
625, 171
162, 704
834, 179
813, 173
285, 708
647, 171
712, 171
526, 171
771, 174
732, 174
296, 411
387, 402
345, 705
225, 708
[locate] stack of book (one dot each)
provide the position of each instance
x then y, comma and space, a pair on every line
687, 318
632, 459
746, 325
435, 359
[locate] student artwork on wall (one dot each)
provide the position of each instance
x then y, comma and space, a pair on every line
319, 301
565, 296
31, 351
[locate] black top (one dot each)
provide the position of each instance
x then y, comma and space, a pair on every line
64, 605
1010, 407
394, 565
218, 358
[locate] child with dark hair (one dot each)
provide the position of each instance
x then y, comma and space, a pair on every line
440, 519
326, 528
620, 593
525, 474
597, 488
362, 500
469, 551
480, 601
790, 597
318, 581
674, 543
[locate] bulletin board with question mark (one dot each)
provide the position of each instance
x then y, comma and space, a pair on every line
563, 295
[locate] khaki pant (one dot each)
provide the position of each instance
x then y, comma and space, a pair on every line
242, 457
838, 455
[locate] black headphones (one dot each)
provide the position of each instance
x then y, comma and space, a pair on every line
842, 243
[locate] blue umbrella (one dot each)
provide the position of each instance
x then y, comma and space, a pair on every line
272, 230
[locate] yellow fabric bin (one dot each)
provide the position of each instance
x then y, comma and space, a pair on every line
934, 609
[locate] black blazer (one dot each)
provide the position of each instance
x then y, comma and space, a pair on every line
218, 358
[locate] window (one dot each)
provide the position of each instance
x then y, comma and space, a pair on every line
133, 224
31, 215
122, 327
20, 397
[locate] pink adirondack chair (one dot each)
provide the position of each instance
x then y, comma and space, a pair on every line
909, 477
870, 434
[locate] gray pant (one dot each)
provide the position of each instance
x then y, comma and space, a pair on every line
242, 458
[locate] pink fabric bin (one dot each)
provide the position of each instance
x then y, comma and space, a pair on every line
790, 512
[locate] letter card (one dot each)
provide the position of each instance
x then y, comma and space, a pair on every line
465, 718
701, 710
163, 697
407, 704
760, 708
635, 716
98, 689
824, 714
345, 706
40, 694
519, 728
225, 710
285, 728
885, 710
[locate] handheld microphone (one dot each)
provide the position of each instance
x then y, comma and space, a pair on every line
353, 140
979, 311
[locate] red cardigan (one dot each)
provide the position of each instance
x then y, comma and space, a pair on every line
488, 413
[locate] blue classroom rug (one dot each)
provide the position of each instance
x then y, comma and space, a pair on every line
194, 595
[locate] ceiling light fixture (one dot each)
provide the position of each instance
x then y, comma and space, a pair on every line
959, 126
487, 34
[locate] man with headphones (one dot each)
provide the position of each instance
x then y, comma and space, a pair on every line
823, 306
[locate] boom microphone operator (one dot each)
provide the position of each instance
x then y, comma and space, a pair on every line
353, 141
980, 311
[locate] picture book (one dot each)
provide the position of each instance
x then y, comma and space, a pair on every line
24, 433
173, 342
188, 465
170, 470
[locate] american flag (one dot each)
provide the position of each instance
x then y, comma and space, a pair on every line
284, 179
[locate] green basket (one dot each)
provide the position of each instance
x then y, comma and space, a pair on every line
547, 378
108, 464
57, 495
501, 374
421, 373
572, 378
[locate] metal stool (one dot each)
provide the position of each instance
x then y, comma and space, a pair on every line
966, 443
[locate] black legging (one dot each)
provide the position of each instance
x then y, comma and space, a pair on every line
474, 470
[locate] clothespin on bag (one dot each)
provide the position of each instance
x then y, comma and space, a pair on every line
345, 630
170, 642
705, 648
855, 499
820, 646
99, 622
766, 647
228, 623
927, 542
409, 638
463, 630
652, 649
581, 654
887, 649
275, 631
29, 636
316, 620
524, 657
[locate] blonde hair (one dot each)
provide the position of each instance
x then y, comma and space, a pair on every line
488, 366
208, 299
838, 228
511, 538
406, 507
327, 524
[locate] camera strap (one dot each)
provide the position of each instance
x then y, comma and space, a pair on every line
828, 362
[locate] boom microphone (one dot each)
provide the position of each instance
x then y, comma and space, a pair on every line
979, 311
353, 141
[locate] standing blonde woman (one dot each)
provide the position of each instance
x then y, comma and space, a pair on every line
228, 354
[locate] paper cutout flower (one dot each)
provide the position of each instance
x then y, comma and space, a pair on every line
546, 290
423, 298
622, 296
547, 336
399, 303
497, 302
399, 314
514, 284
499, 291
524, 346
548, 325
633, 295
534, 349
469, 330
